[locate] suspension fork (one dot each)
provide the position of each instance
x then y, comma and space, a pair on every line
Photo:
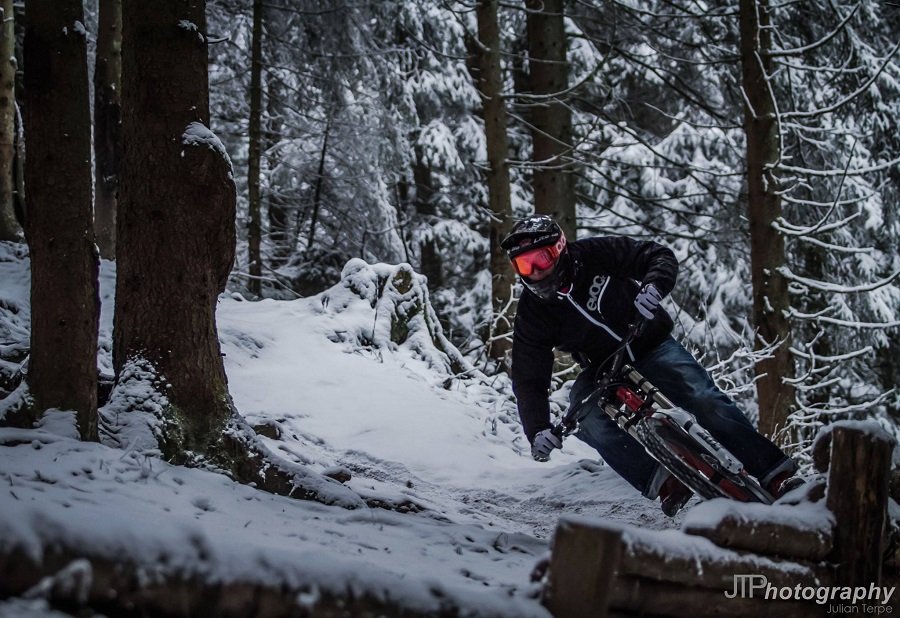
683, 419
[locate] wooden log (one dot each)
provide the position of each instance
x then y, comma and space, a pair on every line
858, 481
674, 557
643, 597
794, 532
584, 559
588, 554
67, 578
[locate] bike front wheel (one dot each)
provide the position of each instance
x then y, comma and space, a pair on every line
689, 462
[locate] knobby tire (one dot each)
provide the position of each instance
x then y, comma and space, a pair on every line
743, 487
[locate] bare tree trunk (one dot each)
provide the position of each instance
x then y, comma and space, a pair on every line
490, 83
770, 288
65, 305
550, 118
255, 211
430, 263
107, 124
278, 207
317, 194
9, 227
176, 224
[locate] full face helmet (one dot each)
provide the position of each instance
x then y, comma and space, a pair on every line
536, 246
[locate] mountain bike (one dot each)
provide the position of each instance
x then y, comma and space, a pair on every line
669, 434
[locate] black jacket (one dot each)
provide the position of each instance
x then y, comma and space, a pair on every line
590, 320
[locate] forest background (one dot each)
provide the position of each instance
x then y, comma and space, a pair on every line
234, 156
758, 140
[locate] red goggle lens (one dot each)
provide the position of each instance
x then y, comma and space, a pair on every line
538, 259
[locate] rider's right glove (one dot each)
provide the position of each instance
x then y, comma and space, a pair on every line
647, 301
544, 442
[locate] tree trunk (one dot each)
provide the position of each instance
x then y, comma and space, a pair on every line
278, 206
550, 118
65, 304
490, 83
176, 226
9, 227
107, 124
770, 288
317, 194
253, 233
430, 263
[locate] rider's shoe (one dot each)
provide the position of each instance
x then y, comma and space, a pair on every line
673, 495
783, 483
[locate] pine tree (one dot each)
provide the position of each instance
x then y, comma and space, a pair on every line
175, 227
65, 306
176, 245
550, 118
9, 227
494, 113
107, 123
770, 288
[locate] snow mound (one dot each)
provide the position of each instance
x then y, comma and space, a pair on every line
403, 315
132, 417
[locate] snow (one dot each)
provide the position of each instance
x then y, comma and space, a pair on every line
198, 134
811, 516
190, 26
411, 422
875, 429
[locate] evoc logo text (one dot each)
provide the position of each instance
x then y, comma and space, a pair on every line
596, 291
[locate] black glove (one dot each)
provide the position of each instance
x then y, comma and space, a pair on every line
544, 442
647, 301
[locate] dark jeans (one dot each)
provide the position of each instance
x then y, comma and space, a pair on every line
682, 379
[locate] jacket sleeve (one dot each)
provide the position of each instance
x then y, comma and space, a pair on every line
643, 260
532, 365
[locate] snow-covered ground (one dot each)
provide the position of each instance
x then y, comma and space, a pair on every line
342, 395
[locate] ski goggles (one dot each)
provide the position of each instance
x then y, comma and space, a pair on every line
541, 258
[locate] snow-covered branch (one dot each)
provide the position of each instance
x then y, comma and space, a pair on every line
850, 97
824, 286
789, 229
819, 317
831, 359
808, 48
848, 172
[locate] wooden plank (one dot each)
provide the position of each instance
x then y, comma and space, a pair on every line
583, 561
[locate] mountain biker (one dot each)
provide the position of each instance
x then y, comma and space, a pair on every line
580, 297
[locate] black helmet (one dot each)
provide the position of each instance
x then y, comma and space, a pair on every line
538, 243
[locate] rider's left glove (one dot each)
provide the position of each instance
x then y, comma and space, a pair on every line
544, 442
647, 301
